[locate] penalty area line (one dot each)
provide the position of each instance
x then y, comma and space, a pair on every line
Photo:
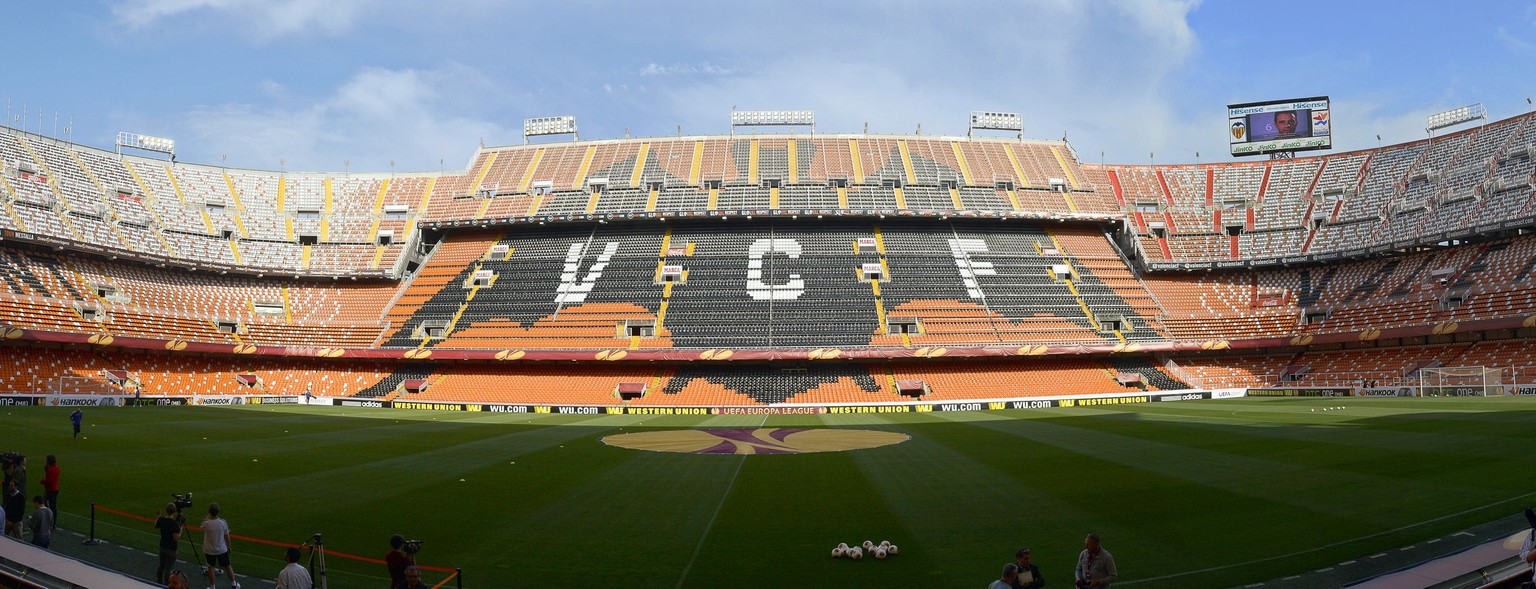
1333, 545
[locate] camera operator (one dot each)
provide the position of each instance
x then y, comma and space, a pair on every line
170, 535
216, 546
402, 554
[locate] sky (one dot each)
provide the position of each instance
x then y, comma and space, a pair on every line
375, 85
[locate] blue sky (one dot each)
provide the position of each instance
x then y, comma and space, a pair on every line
317, 83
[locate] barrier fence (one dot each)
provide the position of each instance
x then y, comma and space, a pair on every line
454, 574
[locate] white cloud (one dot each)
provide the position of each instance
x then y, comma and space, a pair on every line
378, 115
706, 68
260, 18
1098, 70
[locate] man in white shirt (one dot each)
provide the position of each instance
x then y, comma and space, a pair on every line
294, 576
216, 546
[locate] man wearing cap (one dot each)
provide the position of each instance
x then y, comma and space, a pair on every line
1010, 574
1095, 566
1029, 574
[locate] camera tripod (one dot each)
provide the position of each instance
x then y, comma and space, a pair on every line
197, 558
316, 565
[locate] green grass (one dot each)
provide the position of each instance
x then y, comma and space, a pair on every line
1250, 489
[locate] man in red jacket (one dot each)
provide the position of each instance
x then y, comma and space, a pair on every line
51, 488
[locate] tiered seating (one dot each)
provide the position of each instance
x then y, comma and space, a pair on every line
954, 381
753, 385
551, 385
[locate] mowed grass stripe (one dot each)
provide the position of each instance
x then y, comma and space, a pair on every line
1155, 523
967, 510
786, 513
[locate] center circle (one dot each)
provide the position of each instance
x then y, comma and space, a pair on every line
770, 440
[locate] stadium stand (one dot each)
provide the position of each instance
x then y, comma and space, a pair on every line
863, 243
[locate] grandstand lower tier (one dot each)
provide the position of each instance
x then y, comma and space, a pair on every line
28, 368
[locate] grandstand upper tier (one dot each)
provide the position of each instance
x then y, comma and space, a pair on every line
821, 244
344, 224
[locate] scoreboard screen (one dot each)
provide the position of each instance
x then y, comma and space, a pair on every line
1298, 124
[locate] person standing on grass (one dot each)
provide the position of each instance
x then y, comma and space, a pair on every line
1029, 574
397, 560
15, 497
293, 576
1095, 566
76, 419
216, 546
42, 523
170, 535
1010, 574
51, 487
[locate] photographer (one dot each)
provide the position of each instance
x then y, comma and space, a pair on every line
402, 555
170, 535
216, 546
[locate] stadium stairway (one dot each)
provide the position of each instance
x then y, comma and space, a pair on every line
1150, 374
392, 382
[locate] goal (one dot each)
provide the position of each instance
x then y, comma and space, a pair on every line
1461, 381
86, 385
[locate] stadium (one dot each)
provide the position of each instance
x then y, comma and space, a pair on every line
1308, 370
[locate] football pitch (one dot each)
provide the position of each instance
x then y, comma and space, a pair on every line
1185, 494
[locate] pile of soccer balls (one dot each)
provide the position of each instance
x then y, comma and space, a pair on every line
882, 550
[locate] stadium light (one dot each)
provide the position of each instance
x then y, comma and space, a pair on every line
146, 143
995, 121
1456, 116
561, 125
773, 118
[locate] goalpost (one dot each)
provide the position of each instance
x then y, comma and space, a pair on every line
1461, 381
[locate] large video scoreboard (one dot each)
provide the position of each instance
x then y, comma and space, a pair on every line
1297, 124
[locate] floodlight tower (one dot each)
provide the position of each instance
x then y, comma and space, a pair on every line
995, 121
561, 125
773, 118
146, 143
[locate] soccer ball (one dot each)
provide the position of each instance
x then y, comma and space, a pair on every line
880, 552
885, 543
868, 545
855, 553
891, 549
842, 546
837, 553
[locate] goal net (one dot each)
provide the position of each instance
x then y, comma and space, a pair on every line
86, 385
1461, 381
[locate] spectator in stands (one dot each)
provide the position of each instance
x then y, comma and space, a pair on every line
76, 418
1095, 566
1010, 574
397, 560
42, 523
1029, 574
178, 580
1285, 123
51, 487
216, 546
412, 579
293, 576
170, 534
